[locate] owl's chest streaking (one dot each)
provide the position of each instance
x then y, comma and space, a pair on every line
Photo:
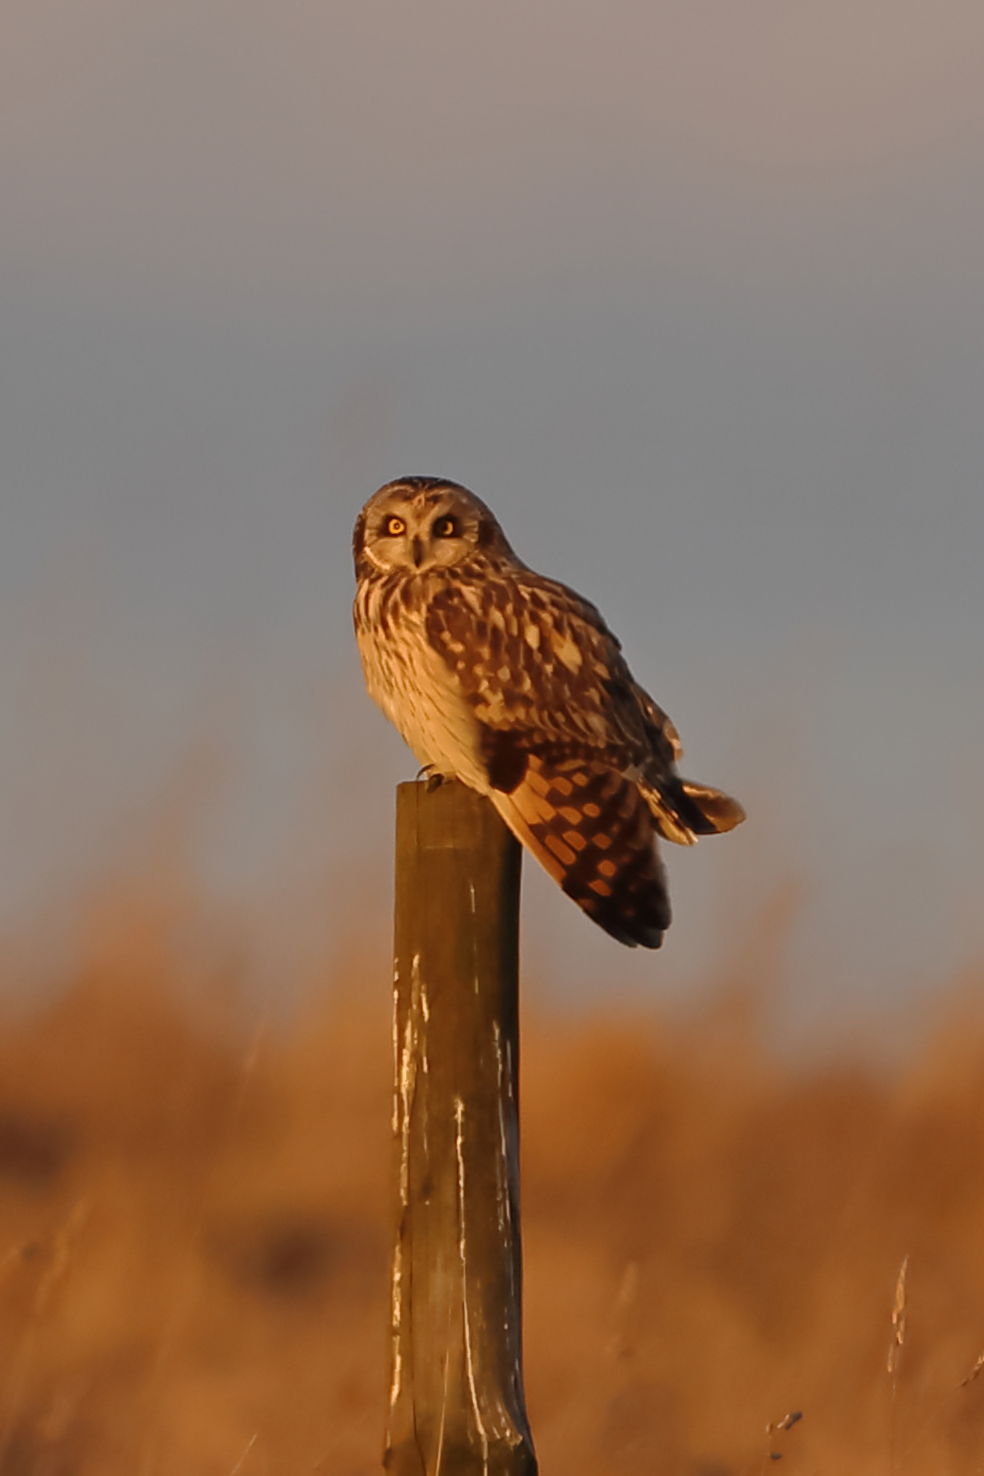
410, 680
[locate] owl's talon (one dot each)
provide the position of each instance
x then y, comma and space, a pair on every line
433, 779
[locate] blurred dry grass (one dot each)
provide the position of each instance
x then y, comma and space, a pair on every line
194, 1237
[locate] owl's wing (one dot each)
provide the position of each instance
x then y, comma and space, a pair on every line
561, 729
536, 661
579, 759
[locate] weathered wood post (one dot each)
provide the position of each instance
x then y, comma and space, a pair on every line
456, 1404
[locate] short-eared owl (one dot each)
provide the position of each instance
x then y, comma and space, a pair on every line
513, 684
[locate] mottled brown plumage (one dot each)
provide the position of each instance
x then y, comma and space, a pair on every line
513, 683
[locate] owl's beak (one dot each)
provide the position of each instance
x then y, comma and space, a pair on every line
417, 549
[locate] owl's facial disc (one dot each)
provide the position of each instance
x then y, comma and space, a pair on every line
419, 529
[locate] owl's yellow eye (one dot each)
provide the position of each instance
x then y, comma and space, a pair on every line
445, 528
394, 527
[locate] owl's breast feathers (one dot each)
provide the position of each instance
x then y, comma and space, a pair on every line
407, 676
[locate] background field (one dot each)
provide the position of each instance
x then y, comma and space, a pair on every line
194, 1238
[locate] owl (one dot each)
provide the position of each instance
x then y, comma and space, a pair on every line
513, 684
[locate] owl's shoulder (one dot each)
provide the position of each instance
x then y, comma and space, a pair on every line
475, 593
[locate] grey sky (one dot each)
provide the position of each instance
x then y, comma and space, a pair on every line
691, 293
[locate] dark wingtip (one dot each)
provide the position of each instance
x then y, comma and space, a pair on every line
639, 922
639, 936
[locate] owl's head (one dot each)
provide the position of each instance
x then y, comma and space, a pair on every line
421, 523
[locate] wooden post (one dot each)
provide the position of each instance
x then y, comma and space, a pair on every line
456, 1404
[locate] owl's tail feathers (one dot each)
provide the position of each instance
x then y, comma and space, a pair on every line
684, 810
716, 811
595, 834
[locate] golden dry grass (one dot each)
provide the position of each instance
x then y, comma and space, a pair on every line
193, 1236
